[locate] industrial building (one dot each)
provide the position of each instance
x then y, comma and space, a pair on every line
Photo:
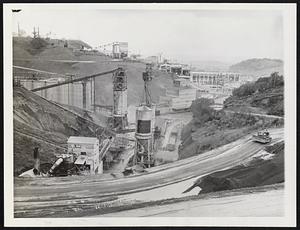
213, 78
180, 70
115, 50
180, 98
68, 94
86, 151
215, 85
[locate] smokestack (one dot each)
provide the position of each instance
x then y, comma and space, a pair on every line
36, 158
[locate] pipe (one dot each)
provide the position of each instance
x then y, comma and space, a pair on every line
55, 165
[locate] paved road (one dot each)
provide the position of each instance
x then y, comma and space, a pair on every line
38, 197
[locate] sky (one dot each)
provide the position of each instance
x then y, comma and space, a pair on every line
184, 35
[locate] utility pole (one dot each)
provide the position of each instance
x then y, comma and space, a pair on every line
34, 33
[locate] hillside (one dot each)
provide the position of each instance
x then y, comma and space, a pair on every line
48, 59
265, 96
38, 122
210, 129
258, 66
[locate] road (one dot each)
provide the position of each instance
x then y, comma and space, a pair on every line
257, 115
55, 196
266, 201
36, 70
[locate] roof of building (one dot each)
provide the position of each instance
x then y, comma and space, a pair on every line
85, 140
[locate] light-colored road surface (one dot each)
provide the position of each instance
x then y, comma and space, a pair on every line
36, 70
254, 204
53, 196
258, 115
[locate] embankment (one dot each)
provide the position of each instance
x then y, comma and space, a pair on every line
265, 168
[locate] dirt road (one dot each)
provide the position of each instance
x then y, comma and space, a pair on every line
55, 196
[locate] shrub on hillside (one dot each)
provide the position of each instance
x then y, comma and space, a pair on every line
37, 45
201, 110
261, 85
244, 90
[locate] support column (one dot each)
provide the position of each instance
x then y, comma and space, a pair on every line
84, 94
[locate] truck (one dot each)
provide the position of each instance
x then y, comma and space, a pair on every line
262, 137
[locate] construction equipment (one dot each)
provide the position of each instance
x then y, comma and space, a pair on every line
262, 137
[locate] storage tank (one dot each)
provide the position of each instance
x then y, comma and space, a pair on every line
144, 136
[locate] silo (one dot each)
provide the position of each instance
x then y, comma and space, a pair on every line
144, 136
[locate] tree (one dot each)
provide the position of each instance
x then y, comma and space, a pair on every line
201, 110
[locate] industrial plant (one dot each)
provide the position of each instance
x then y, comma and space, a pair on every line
108, 129
90, 155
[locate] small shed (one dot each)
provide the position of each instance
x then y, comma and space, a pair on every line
86, 152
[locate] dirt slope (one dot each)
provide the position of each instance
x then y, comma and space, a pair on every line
40, 123
257, 172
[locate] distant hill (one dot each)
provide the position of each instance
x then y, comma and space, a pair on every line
258, 66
